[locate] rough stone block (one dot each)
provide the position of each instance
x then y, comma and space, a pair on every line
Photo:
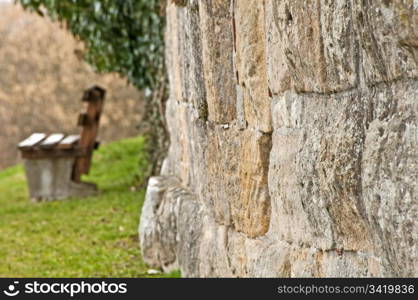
170, 225
316, 41
217, 49
388, 34
221, 165
251, 206
250, 62
184, 54
389, 181
279, 76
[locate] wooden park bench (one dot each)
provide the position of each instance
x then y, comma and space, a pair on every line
54, 163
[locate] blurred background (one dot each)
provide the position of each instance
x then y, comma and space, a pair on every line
42, 78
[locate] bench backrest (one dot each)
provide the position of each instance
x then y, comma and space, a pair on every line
90, 126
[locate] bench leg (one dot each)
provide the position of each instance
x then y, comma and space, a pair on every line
50, 179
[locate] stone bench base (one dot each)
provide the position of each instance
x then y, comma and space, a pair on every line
50, 179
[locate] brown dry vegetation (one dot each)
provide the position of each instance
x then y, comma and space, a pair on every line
42, 78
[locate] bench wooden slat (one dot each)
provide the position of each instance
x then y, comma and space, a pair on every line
54, 153
31, 141
52, 140
68, 142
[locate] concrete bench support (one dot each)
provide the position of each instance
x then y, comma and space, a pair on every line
50, 179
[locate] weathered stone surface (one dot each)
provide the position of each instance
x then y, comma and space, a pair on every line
250, 62
251, 210
221, 164
315, 46
217, 47
336, 169
158, 224
170, 224
306, 164
388, 34
389, 179
279, 76
185, 56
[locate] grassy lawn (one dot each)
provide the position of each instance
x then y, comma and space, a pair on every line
89, 237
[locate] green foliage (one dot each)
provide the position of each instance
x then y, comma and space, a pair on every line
124, 36
95, 236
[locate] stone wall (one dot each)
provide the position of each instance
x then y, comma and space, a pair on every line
293, 140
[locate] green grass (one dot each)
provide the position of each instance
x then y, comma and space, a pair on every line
89, 237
